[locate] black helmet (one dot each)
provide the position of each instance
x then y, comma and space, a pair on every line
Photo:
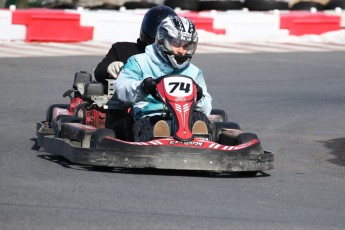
151, 21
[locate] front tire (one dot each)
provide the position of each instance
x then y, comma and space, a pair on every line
99, 135
246, 137
218, 126
63, 119
218, 115
49, 113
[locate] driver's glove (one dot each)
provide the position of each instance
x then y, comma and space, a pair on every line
114, 69
148, 85
199, 92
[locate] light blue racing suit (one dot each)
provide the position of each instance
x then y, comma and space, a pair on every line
141, 66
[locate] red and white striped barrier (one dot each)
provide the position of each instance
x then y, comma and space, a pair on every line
47, 25
8, 30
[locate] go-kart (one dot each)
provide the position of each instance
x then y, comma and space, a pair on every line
94, 130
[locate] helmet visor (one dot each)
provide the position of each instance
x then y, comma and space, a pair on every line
170, 42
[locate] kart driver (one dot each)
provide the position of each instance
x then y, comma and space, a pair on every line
110, 66
175, 44
118, 54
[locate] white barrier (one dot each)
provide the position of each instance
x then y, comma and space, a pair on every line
113, 26
259, 26
9, 31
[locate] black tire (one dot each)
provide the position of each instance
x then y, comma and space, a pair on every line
139, 5
121, 122
99, 135
183, 4
220, 5
246, 137
264, 5
64, 119
307, 6
218, 126
49, 113
104, 6
221, 113
61, 5
335, 3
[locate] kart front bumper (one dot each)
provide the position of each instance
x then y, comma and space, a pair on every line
121, 155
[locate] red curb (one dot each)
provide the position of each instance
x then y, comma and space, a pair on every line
204, 23
52, 25
301, 23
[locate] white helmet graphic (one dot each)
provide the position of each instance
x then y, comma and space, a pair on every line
178, 32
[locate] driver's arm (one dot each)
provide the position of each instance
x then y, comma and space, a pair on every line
205, 103
127, 86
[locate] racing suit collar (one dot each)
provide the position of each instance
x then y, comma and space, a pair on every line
162, 64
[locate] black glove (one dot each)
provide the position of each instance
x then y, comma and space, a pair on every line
199, 92
148, 85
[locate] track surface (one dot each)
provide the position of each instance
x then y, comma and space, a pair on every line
17, 49
293, 101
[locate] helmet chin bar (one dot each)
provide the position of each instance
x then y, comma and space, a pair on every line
178, 61
175, 61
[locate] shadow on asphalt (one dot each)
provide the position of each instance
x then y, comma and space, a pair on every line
147, 171
337, 147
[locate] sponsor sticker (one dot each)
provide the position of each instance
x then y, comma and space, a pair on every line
194, 143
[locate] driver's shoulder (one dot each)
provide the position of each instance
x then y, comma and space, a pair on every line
141, 58
124, 44
192, 71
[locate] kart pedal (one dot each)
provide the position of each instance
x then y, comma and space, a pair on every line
161, 129
200, 128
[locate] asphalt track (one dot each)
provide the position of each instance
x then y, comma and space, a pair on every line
294, 102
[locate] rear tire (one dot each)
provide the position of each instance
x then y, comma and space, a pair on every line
99, 135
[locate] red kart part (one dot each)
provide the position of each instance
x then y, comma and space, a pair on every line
179, 95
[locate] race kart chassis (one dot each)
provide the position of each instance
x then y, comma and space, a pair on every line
229, 150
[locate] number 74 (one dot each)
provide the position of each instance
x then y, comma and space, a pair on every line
181, 85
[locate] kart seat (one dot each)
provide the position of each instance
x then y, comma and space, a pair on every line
80, 80
81, 77
93, 89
